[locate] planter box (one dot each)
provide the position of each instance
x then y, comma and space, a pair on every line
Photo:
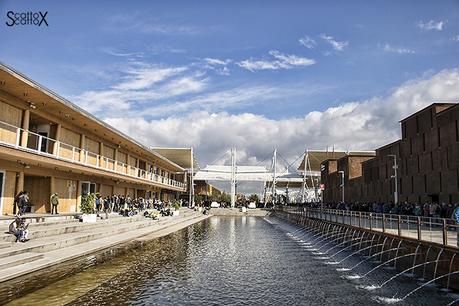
89, 218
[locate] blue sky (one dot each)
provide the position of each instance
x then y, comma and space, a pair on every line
178, 67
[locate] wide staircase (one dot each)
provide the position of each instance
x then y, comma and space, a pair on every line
61, 238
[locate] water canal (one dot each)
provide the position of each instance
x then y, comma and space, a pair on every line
226, 261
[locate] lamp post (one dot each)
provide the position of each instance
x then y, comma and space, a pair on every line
395, 177
342, 185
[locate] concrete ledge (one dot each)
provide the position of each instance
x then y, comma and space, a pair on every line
236, 212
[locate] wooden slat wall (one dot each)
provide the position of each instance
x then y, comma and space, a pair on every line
105, 190
9, 192
39, 192
92, 147
110, 153
10, 115
69, 137
66, 190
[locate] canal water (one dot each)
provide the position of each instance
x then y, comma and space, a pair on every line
225, 261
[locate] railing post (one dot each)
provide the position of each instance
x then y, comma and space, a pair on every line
40, 139
86, 157
360, 219
18, 137
97, 161
419, 228
445, 232
383, 220
399, 225
369, 219
58, 149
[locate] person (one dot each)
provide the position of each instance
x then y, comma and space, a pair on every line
106, 205
455, 217
16, 202
23, 202
19, 229
54, 202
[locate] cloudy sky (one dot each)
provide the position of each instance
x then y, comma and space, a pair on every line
256, 75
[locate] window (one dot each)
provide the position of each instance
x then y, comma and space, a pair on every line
424, 142
425, 183
457, 132
438, 135
412, 184
400, 184
431, 161
404, 129
411, 146
417, 124
439, 179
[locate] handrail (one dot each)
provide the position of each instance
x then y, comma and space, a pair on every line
76, 153
444, 231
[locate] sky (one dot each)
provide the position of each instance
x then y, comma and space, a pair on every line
255, 75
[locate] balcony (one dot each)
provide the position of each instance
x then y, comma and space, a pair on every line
11, 136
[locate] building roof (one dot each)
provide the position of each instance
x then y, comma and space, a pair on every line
317, 157
22, 87
445, 104
180, 156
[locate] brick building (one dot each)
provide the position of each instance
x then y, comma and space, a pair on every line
427, 157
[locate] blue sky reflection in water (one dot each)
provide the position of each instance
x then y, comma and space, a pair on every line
239, 261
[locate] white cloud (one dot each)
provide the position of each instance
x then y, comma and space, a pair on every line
218, 65
307, 41
217, 101
399, 50
278, 61
337, 45
142, 83
431, 25
141, 78
456, 38
361, 125
216, 61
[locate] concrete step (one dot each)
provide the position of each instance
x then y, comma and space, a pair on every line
59, 228
32, 218
5, 245
19, 259
73, 251
47, 244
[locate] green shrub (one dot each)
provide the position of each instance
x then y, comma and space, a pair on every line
87, 203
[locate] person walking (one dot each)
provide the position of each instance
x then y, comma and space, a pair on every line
23, 202
54, 200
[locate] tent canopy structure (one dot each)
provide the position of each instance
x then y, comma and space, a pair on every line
180, 156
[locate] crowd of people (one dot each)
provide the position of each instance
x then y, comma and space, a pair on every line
428, 209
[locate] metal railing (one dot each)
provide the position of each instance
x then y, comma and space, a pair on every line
26, 140
432, 229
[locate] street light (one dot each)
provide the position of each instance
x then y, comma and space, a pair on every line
395, 167
342, 185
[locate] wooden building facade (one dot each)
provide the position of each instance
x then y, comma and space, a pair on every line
48, 144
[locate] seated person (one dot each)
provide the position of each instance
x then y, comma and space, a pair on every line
19, 229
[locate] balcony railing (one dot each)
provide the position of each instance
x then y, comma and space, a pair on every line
12, 136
